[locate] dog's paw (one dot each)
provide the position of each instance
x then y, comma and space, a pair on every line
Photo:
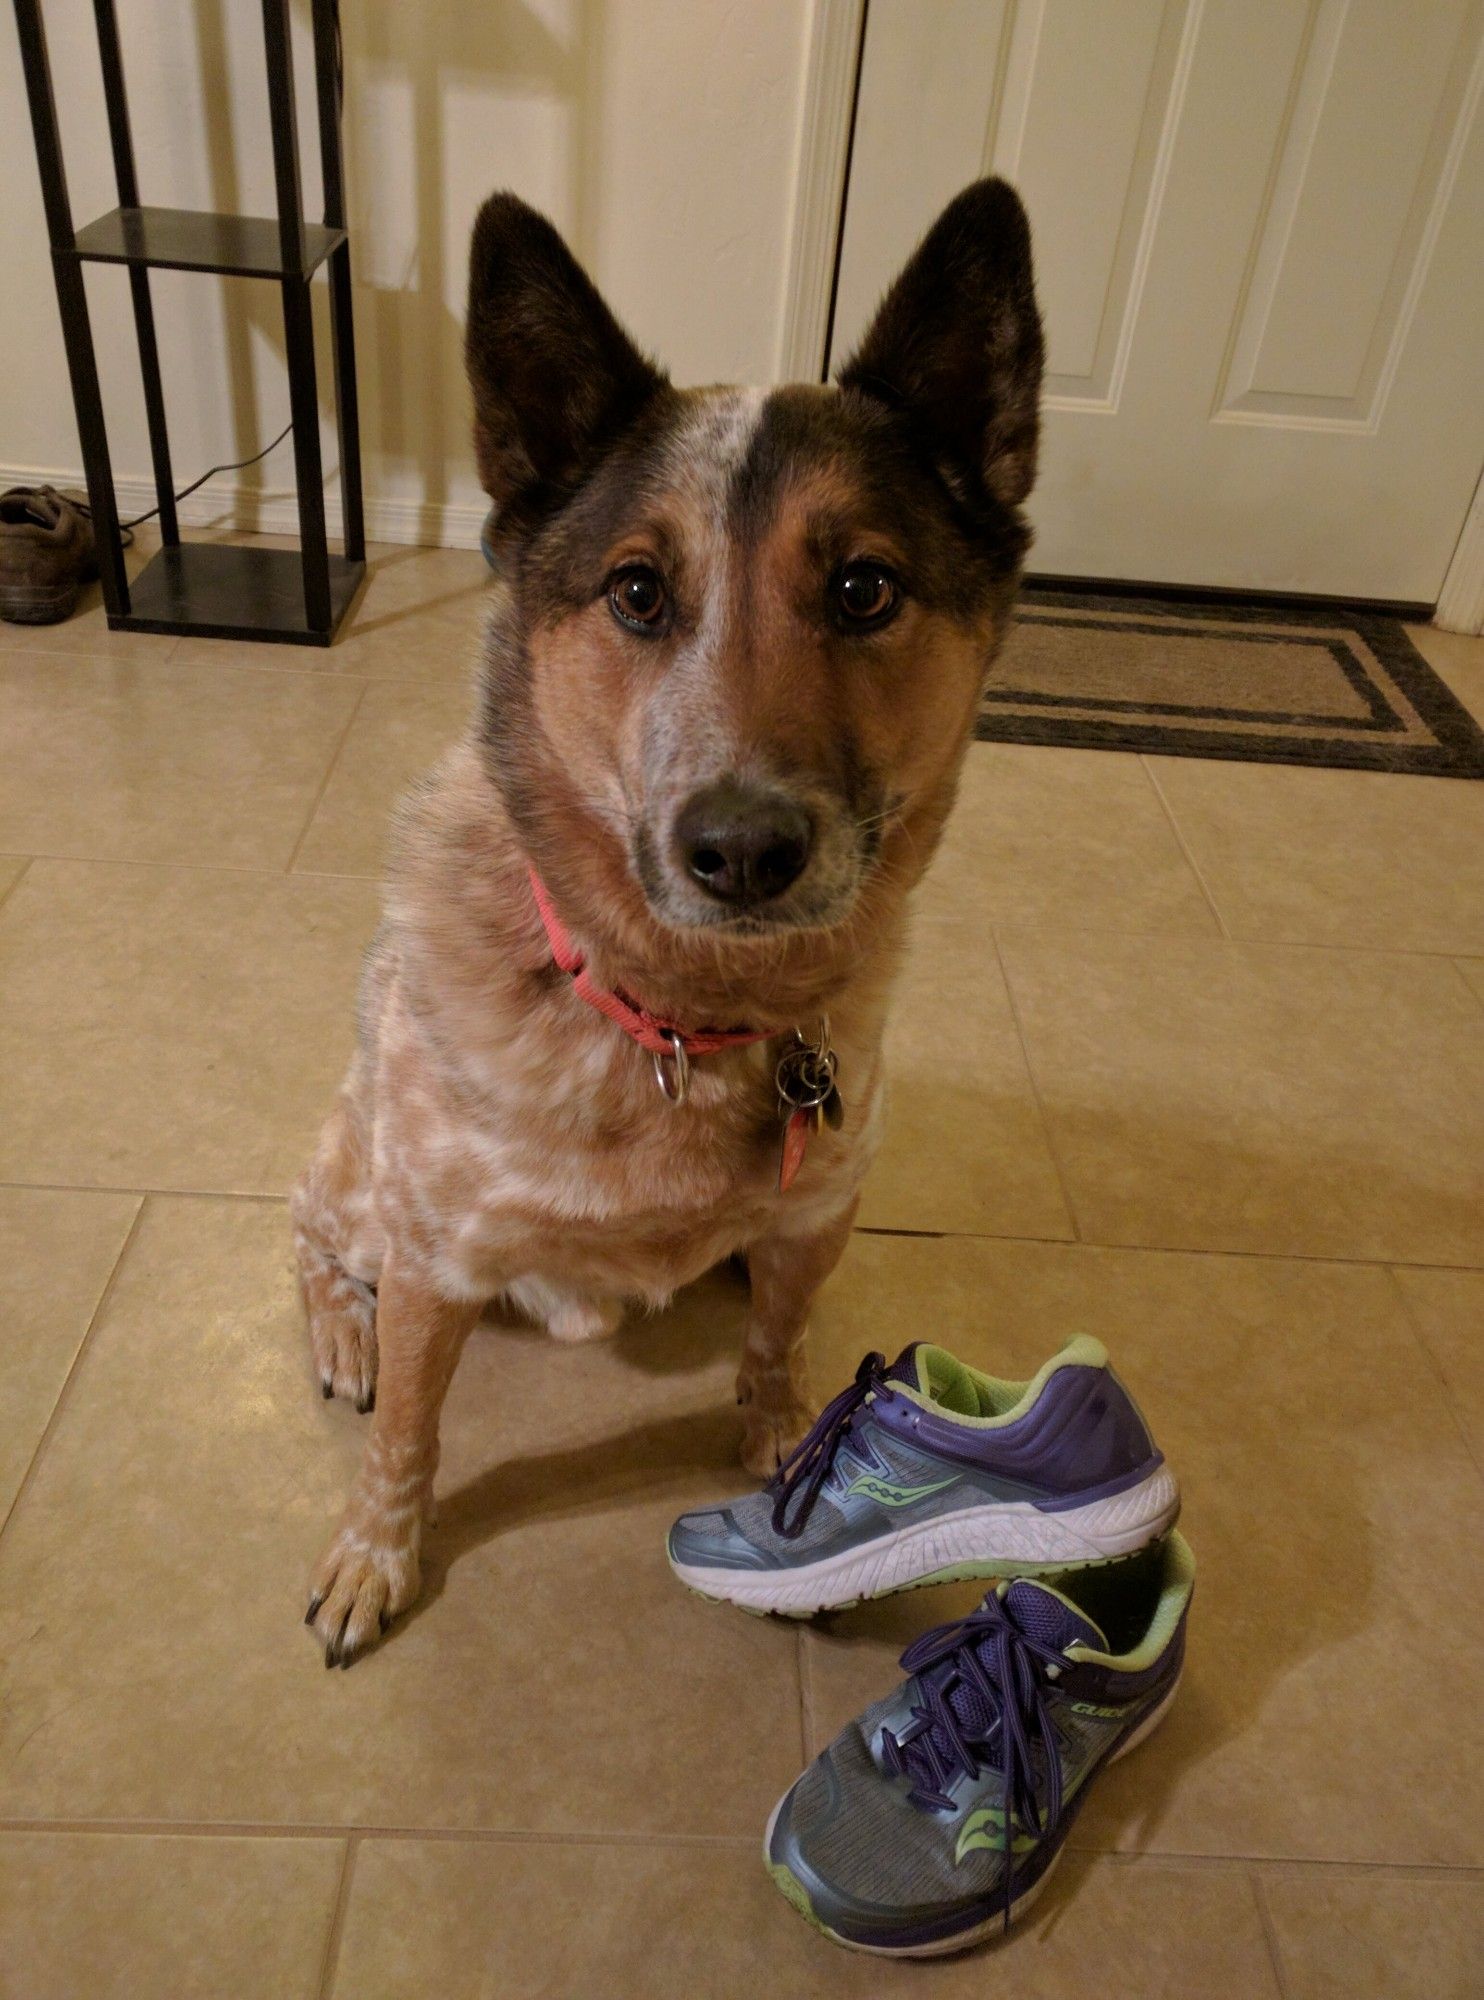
363, 1580
342, 1335
770, 1433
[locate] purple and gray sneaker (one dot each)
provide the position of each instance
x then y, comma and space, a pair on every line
935, 1818
929, 1471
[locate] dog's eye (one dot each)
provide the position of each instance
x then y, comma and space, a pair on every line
636, 597
866, 594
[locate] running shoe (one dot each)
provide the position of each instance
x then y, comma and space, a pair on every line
928, 1471
936, 1817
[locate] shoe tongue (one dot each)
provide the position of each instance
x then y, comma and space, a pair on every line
1043, 1613
934, 1373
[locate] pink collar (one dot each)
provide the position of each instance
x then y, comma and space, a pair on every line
661, 1038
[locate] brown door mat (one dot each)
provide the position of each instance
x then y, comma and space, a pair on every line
1310, 685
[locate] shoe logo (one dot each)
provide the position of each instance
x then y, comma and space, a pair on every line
986, 1828
887, 1495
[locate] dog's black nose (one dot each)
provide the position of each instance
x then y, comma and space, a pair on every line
742, 846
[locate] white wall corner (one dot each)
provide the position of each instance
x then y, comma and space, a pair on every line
1461, 599
819, 185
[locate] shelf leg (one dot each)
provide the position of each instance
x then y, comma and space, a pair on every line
328, 92
72, 301
298, 330
116, 99
347, 407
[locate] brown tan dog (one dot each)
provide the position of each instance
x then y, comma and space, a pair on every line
735, 658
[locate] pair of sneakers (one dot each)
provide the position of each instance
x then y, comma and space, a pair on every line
936, 1816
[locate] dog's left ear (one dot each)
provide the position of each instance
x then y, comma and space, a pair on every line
555, 377
956, 345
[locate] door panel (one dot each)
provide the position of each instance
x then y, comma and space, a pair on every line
1260, 250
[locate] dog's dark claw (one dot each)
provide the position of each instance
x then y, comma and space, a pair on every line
330, 1652
313, 1612
367, 1403
326, 1389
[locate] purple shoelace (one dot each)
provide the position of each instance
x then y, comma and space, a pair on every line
807, 1467
1002, 1672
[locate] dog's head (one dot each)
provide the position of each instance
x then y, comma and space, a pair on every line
745, 632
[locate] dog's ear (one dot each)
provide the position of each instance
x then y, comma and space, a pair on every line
956, 345
555, 377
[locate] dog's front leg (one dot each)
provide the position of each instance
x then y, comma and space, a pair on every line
786, 1269
370, 1571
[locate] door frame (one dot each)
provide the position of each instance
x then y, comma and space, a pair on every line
836, 43
1460, 606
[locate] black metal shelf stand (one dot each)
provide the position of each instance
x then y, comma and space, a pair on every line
213, 589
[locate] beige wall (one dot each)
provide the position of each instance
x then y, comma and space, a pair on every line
663, 136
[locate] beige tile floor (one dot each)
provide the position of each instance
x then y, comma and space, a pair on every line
1189, 1055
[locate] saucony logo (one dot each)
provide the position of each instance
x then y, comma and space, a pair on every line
887, 1495
986, 1828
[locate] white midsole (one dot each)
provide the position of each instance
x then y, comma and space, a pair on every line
962, 1940
996, 1537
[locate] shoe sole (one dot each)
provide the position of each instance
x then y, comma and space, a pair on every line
1007, 1538
794, 1891
23, 605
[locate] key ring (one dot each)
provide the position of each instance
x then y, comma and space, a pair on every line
672, 1071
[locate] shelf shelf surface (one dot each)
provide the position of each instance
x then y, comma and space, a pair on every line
189, 239
220, 590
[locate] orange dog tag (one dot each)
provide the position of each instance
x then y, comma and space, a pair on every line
796, 1132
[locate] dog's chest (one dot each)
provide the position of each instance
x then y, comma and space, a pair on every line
570, 1161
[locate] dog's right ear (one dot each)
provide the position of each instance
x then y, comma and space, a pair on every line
555, 377
956, 346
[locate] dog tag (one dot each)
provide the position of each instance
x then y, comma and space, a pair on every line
796, 1130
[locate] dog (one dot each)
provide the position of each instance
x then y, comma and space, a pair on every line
623, 1016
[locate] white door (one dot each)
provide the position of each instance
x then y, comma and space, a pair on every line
1259, 231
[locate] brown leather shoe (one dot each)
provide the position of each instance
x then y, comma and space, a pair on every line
46, 555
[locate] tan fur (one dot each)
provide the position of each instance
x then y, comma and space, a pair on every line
496, 1137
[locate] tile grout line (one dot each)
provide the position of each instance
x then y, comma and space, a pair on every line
195, 867
1035, 1084
1112, 1248
165, 1193
324, 784
1299, 1864
327, 676
1269, 1931
330, 1963
1414, 1323
111, 1829
26, 860
1180, 841
64, 1393
806, 1694
1455, 959
1411, 1871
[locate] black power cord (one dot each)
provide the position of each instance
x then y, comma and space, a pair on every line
237, 465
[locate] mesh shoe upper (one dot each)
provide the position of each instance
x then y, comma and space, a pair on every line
926, 1437
897, 1831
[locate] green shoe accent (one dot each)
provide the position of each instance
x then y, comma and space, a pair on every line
986, 1828
793, 1889
895, 1496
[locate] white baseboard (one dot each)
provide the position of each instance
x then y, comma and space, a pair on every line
265, 511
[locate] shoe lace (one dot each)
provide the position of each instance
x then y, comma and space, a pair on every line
796, 1483
988, 1654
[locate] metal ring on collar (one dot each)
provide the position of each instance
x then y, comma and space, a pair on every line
672, 1071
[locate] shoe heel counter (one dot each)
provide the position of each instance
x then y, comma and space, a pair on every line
1107, 1439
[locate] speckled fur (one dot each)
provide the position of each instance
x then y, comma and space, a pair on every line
494, 1136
